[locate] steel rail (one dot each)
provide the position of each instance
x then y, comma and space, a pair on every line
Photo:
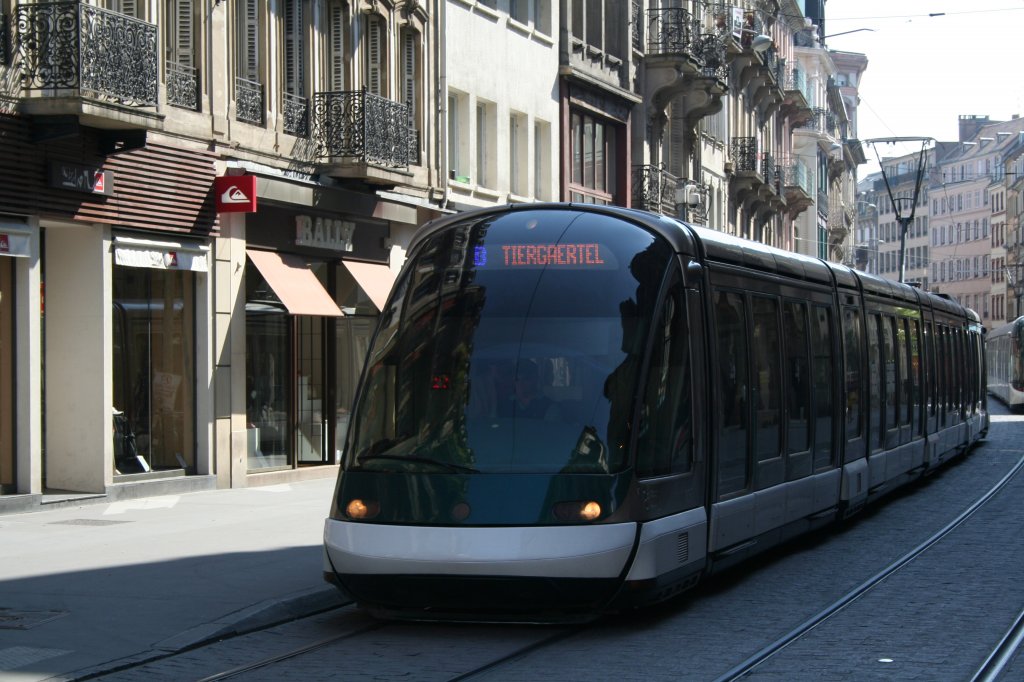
1000, 658
781, 643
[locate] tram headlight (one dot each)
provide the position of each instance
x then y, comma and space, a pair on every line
360, 510
581, 510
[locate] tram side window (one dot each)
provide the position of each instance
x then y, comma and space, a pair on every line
889, 360
767, 383
902, 339
931, 379
821, 344
730, 322
851, 329
665, 441
916, 387
877, 438
798, 385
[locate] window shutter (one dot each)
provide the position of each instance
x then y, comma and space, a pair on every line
293, 51
129, 7
374, 56
250, 40
337, 57
181, 40
409, 69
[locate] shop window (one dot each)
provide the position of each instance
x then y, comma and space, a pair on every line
153, 369
268, 371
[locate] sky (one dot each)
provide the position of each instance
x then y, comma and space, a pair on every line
925, 71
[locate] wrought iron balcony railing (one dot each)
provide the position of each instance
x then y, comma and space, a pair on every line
796, 81
822, 121
248, 101
671, 30
4, 40
710, 50
744, 154
654, 189
182, 86
296, 115
72, 47
769, 170
796, 175
363, 127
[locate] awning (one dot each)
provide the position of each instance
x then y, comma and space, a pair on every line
376, 280
160, 254
294, 283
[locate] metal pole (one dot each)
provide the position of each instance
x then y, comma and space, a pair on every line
904, 226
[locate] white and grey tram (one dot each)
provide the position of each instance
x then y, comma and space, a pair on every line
1004, 353
568, 410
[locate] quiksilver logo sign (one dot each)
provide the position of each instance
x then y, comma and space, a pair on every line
233, 195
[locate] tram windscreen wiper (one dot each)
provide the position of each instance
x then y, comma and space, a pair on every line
450, 466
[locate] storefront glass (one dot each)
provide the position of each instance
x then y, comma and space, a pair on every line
268, 369
154, 369
352, 341
7, 480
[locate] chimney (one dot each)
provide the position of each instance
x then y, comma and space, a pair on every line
971, 125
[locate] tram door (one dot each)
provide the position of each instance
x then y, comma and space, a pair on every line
670, 447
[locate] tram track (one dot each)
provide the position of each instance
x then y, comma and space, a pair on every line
502, 652
1000, 657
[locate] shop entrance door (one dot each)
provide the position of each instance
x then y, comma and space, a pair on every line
310, 397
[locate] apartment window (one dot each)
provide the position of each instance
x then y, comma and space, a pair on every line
486, 139
518, 165
179, 41
596, 23
374, 53
410, 79
458, 142
542, 160
248, 43
294, 50
337, 59
594, 158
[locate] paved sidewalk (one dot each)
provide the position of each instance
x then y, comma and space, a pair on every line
88, 588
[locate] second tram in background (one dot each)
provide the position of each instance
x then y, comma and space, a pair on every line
1004, 356
572, 409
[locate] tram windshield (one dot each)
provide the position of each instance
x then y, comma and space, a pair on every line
511, 343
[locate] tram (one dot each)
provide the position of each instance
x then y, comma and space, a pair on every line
568, 410
1004, 352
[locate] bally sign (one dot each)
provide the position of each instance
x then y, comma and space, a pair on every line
324, 233
235, 193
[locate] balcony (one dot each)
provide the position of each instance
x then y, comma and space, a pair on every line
684, 59
754, 183
182, 86
360, 135
796, 101
654, 189
796, 184
296, 115
81, 60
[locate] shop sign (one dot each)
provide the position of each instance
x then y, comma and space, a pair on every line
324, 233
78, 178
235, 193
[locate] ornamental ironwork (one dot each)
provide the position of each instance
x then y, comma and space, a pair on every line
76, 46
671, 30
710, 50
361, 126
797, 175
769, 171
248, 101
182, 86
654, 189
744, 154
296, 115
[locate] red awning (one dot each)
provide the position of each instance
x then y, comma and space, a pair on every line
294, 283
375, 279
